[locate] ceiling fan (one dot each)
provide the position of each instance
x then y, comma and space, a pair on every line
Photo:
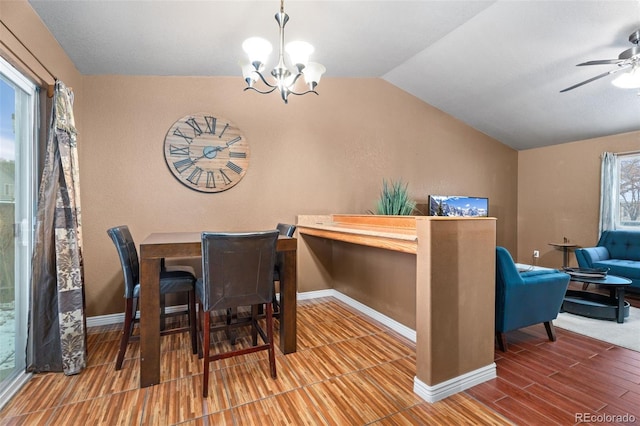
629, 59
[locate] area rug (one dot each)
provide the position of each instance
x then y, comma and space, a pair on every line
626, 334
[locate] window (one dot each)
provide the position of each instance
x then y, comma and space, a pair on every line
628, 192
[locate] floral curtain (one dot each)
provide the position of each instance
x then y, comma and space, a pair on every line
608, 188
57, 329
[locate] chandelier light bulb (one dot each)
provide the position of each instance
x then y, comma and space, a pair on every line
312, 74
629, 80
299, 52
248, 72
258, 50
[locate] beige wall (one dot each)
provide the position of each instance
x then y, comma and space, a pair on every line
559, 195
382, 279
28, 45
317, 155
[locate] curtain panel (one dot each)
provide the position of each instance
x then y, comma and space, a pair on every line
57, 329
608, 192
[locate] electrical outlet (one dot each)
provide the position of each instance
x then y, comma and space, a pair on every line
536, 253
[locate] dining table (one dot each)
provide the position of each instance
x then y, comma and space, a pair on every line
163, 245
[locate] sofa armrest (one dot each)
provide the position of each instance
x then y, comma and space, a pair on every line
587, 256
528, 274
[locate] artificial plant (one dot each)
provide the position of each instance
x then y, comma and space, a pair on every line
394, 199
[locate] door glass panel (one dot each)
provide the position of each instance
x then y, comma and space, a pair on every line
17, 106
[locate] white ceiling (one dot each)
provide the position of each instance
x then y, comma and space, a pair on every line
498, 66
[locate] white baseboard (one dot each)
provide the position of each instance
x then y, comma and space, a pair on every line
389, 322
119, 318
428, 393
105, 320
317, 294
452, 386
399, 328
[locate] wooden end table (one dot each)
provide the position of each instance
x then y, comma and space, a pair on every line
566, 248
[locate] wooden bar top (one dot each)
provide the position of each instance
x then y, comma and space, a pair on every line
373, 231
397, 233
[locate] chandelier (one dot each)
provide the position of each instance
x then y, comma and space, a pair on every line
284, 80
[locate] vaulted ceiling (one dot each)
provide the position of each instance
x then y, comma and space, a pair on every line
498, 66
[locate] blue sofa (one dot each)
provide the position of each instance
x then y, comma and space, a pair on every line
527, 298
618, 251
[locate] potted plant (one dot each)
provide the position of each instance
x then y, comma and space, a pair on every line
394, 199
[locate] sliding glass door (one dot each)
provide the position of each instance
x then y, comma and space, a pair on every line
17, 202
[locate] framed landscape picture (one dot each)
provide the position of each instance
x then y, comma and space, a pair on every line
460, 206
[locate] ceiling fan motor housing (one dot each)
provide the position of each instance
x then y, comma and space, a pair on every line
634, 38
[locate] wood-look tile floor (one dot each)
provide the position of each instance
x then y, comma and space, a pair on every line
348, 370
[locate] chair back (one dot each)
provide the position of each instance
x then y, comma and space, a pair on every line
506, 271
621, 244
128, 254
237, 268
286, 229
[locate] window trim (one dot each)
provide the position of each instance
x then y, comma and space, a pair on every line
618, 209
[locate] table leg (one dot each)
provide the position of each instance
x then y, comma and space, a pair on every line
149, 321
620, 296
288, 303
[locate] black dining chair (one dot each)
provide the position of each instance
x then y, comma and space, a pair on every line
176, 279
286, 230
237, 271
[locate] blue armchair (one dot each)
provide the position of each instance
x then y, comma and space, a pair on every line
527, 298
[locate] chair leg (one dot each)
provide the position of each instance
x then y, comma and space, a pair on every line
163, 313
502, 341
200, 329
254, 324
272, 355
276, 303
551, 331
192, 322
129, 312
232, 316
206, 351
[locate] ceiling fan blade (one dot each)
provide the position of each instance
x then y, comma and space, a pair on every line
601, 62
604, 74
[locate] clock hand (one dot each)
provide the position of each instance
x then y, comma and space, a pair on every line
210, 152
227, 145
198, 158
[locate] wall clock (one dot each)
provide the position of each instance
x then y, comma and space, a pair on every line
206, 153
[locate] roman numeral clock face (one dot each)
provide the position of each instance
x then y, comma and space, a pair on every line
206, 153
